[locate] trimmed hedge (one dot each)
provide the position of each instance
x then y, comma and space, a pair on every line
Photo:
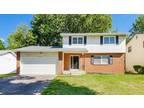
139, 69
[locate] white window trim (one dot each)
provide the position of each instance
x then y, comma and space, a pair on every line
101, 63
109, 40
77, 40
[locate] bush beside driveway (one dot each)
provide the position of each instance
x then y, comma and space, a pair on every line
90, 84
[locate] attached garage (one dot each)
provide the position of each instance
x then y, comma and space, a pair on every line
41, 60
38, 63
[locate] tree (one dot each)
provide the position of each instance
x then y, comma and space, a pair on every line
2, 46
21, 38
46, 28
88, 23
138, 25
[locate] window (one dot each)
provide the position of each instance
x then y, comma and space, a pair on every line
109, 40
74, 40
129, 49
80, 40
143, 44
102, 60
77, 40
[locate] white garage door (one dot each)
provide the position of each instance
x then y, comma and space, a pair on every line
39, 64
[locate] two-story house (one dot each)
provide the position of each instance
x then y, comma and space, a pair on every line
135, 51
80, 53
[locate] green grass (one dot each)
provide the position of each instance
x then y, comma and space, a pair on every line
90, 84
7, 75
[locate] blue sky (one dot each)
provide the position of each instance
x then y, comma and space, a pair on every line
8, 23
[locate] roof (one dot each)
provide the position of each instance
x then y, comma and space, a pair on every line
93, 34
133, 35
48, 49
3, 52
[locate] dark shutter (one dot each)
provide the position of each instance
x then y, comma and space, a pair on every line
101, 40
92, 59
70, 40
85, 40
117, 39
110, 59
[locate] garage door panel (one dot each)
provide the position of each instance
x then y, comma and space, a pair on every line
39, 65
39, 60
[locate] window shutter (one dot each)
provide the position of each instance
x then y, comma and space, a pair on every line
101, 40
117, 39
85, 40
110, 59
70, 40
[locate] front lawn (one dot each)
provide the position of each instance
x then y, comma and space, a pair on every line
7, 75
96, 84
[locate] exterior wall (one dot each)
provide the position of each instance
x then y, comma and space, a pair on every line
135, 57
7, 63
117, 65
18, 62
60, 67
85, 63
67, 60
93, 45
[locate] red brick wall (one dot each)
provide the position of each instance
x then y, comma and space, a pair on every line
18, 62
85, 63
116, 67
60, 63
67, 60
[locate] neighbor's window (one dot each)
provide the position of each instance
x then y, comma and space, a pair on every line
109, 40
77, 40
102, 60
129, 49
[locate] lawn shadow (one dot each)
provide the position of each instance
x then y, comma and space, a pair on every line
58, 87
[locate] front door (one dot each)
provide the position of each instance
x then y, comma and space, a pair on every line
74, 62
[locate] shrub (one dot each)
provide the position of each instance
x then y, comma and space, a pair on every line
139, 69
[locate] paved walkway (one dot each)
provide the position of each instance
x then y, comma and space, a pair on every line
23, 85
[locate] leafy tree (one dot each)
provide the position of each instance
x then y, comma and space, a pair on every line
46, 28
88, 23
2, 46
138, 25
22, 37
30, 39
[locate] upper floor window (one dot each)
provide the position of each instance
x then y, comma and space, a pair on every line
109, 40
77, 40
129, 49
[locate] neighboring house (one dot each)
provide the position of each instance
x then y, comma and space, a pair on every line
135, 52
80, 53
7, 62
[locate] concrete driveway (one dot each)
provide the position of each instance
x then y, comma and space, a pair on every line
23, 85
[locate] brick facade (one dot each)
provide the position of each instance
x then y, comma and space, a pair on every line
60, 63
117, 65
18, 62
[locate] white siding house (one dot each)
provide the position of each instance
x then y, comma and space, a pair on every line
135, 52
7, 62
93, 42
